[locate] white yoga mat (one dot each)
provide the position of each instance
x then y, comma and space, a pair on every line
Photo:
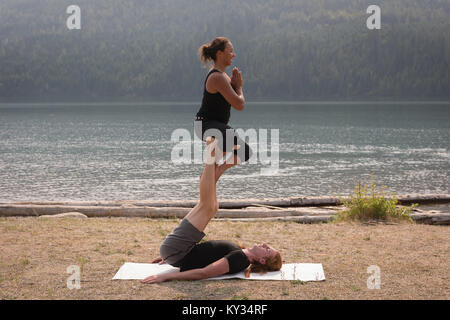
289, 271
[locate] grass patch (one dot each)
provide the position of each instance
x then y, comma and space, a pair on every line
162, 232
365, 205
82, 261
24, 262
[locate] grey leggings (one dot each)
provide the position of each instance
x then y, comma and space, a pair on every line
180, 242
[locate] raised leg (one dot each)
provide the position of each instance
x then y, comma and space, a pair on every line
223, 167
207, 207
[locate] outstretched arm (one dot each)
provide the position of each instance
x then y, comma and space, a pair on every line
214, 269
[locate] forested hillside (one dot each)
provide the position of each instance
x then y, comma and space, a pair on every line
286, 49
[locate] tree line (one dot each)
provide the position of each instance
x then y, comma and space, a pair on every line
286, 49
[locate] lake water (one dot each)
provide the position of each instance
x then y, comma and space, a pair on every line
52, 152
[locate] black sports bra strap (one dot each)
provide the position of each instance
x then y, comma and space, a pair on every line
212, 71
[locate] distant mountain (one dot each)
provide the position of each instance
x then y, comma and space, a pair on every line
287, 49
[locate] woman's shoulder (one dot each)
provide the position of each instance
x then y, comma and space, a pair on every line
215, 74
212, 79
216, 79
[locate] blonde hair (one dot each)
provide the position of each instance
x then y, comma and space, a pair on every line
208, 51
272, 264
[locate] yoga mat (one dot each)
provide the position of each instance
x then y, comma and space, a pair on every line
289, 271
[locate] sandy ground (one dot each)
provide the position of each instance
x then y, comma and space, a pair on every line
35, 253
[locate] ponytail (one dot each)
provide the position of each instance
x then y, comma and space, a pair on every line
207, 52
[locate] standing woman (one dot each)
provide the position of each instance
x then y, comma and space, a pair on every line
220, 94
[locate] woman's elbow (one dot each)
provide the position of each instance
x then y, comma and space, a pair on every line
239, 105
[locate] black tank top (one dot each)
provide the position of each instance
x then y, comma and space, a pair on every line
207, 252
214, 105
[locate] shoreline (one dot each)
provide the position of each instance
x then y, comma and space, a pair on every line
239, 203
433, 209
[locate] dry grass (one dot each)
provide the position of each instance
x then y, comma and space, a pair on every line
35, 253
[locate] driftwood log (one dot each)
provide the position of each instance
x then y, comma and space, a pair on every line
155, 212
240, 203
300, 209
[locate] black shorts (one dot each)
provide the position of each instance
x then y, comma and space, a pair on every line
180, 242
222, 144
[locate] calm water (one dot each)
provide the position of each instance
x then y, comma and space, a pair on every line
123, 151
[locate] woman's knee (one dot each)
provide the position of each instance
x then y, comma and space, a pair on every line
208, 207
244, 153
163, 251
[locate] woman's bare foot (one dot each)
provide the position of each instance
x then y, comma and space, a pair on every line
219, 170
227, 164
211, 147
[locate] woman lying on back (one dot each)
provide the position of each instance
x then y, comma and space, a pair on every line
182, 247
